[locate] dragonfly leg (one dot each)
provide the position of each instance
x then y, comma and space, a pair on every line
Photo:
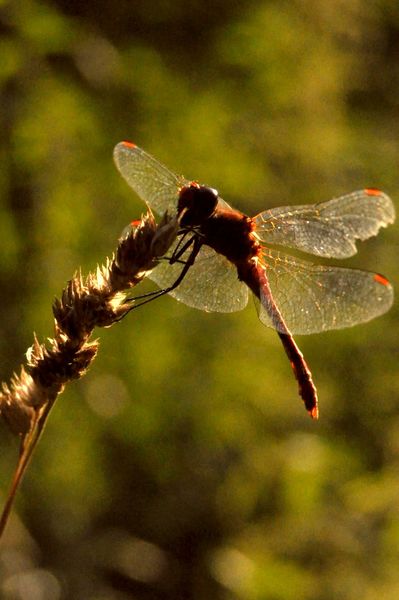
174, 259
196, 243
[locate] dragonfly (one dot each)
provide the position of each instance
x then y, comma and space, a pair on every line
220, 254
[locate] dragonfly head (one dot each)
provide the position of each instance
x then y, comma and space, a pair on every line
196, 204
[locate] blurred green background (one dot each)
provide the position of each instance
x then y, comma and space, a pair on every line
184, 466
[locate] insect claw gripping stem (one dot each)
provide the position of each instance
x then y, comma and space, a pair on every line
196, 243
181, 248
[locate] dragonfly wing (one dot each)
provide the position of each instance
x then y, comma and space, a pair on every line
151, 180
223, 204
211, 284
313, 298
330, 228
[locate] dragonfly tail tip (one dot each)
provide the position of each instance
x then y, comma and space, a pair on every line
314, 413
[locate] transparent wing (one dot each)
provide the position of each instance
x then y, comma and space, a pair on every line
330, 228
151, 180
211, 284
314, 298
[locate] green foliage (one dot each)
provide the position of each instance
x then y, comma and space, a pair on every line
184, 465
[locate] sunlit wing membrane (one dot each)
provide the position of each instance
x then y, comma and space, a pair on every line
211, 284
223, 204
330, 228
314, 298
151, 180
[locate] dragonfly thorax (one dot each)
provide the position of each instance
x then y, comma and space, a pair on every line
196, 204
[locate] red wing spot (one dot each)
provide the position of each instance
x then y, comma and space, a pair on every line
194, 184
135, 223
381, 279
129, 144
373, 192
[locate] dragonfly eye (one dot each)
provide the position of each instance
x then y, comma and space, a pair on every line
198, 203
